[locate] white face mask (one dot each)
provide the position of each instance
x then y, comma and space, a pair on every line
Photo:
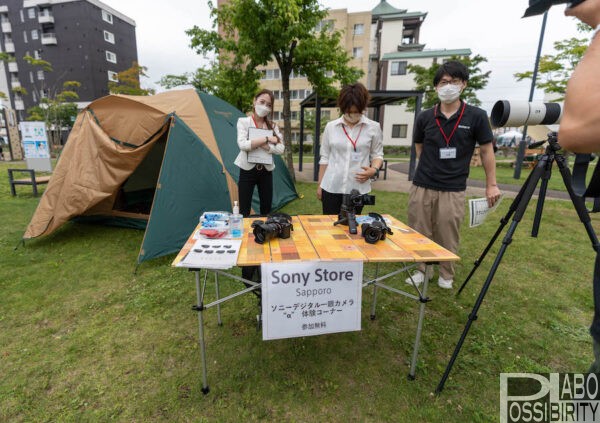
352, 118
449, 93
262, 110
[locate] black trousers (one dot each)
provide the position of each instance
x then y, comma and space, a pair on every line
263, 179
259, 177
332, 203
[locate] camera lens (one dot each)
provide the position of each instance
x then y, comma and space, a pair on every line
519, 113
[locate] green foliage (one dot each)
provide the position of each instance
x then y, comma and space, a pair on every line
129, 81
424, 81
39, 63
554, 70
258, 31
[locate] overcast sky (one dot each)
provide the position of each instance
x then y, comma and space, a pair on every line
495, 31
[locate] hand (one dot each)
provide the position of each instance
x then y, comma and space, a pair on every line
366, 174
492, 193
319, 193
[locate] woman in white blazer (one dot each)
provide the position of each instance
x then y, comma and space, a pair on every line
254, 174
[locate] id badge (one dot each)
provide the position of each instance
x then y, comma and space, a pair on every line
448, 153
355, 156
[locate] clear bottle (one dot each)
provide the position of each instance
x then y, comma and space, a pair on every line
236, 222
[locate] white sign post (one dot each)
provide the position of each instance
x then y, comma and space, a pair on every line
310, 298
35, 144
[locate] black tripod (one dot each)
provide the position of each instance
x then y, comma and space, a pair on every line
542, 171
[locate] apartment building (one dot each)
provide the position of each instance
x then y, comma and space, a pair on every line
382, 42
84, 40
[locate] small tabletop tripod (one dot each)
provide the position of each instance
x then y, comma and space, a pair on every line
543, 171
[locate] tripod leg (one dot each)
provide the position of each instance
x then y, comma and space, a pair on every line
578, 202
503, 223
541, 198
528, 190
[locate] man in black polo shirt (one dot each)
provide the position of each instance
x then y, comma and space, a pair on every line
445, 138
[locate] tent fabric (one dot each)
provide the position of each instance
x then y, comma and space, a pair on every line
164, 159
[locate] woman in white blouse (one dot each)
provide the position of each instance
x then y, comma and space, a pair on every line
257, 174
351, 150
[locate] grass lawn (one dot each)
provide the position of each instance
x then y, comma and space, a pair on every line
83, 338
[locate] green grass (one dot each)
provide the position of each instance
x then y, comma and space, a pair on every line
83, 338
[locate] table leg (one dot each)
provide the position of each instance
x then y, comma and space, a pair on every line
374, 303
219, 322
413, 363
199, 309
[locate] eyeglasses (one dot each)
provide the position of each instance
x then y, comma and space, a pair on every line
445, 82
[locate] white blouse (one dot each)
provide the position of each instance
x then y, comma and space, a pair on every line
244, 143
337, 152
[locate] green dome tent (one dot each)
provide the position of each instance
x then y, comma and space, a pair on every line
156, 162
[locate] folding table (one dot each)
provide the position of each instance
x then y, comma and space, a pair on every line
315, 237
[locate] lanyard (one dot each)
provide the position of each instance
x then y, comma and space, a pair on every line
455, 126
350, 139
255, 124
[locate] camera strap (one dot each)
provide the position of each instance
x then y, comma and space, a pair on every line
592, 190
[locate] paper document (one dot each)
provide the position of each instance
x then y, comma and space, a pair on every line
478, 210
259, 155
212, 254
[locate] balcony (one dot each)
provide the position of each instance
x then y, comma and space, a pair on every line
19, 105
6, 28
49, 38
13, 67
9, 47
45, 17
14, 83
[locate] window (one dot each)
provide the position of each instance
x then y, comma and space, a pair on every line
399, 131
276, 94
37, 54
112, 76
34, 34
31, 13
111, 57
326, 25
277, 116
109, 37
357, 52
25, 36
271, 74
107, 17
294, 115
359, 29
40, 75
399, 68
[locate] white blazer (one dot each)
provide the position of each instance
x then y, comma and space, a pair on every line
244, 144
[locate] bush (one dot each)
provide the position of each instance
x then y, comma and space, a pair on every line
396, 150
306, 148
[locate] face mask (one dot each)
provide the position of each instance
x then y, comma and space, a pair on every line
352, 117
449, 93
262, 110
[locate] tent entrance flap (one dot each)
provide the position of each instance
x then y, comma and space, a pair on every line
137, 192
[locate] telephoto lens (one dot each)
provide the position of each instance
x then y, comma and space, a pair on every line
519, 113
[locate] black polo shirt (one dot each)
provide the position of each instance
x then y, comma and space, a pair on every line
449, 174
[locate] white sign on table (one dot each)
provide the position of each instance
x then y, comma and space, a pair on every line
310, 298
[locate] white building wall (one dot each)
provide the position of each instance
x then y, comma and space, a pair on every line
391, 36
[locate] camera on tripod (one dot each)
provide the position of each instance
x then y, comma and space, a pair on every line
376, 230
537, 7
277, 225
350, 204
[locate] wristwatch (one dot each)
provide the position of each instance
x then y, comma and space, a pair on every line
376, 176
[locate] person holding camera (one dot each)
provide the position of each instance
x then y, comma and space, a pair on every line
580, 127
351, 150
257, 174
444, 138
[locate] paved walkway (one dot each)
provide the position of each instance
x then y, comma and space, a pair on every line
397, 180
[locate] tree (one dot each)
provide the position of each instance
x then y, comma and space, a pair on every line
233, 83
254, 32
424, 81
56, 103
129, 81
555, 70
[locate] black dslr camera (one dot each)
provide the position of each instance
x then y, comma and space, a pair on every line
277, 225
376, 230
350, 203
537, 7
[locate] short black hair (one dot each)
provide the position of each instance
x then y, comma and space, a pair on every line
353, 95
453, 68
